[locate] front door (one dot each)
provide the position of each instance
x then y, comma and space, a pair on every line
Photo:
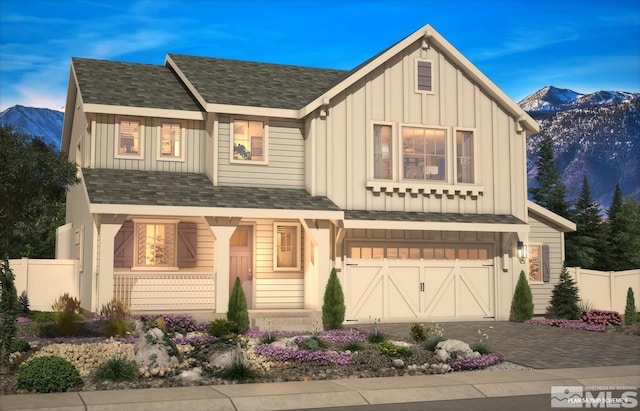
241, 261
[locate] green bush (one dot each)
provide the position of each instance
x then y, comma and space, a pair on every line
48, 374
418, 333
8, 311
23, 304
376, 337
352, 346
221, 327
522, 303
312, 343
117, 369
393, 351
20, 345
237, 311
238, 371
630, 312
117, 314
431, 343
564, 298
333, 308
65, 309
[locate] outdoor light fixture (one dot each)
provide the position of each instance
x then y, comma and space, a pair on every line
522, 252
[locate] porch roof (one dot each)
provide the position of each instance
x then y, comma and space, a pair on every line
410, 220
137, 191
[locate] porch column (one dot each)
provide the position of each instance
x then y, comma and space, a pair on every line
315, 282
222, 234
104, 280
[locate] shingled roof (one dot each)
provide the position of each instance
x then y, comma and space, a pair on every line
133, 187
431, 217
247, 83
131, 85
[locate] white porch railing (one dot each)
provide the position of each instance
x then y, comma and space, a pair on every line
165, 291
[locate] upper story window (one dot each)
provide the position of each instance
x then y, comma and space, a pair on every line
171, 141
129, 141
424, 154
249, 140
424, 76
464, 156
382, 152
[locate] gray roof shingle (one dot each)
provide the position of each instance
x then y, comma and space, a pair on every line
246, 83
431, 217
131, 85
133, 187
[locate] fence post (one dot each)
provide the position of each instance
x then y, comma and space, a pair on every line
611, 289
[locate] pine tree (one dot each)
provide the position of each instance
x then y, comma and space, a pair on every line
630, 312
583, 246
623, 230
9, 313
237, 311
564, 298
522, 303
333, 308
549, 192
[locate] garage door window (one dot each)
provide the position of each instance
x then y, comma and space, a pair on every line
435, 252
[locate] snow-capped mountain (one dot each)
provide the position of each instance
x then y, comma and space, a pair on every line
596, 134
41, 122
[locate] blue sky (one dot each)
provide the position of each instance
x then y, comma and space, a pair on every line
584, 45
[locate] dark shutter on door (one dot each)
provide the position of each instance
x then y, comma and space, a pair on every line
187, 241
123, 246
546, 267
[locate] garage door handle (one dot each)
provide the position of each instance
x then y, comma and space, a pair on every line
421, 287
352, 264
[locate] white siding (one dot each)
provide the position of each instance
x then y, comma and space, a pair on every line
545, 235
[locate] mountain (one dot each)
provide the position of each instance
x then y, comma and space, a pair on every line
596, 134
40, 122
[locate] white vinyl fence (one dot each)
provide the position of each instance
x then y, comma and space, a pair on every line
607, 290
45, 280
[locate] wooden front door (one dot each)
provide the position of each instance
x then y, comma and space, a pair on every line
241, 261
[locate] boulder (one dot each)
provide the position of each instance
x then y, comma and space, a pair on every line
226, 359
447, 349
152, 350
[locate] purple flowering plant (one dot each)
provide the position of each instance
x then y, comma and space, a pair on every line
316, 356
474, 363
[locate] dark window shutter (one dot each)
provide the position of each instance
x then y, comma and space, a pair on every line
187, 240
424, 76
123, 246
546, 266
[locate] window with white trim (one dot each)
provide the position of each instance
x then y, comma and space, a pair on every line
382, 152
129, 141
424, 154
249, 140
171, 141
464, 156
155, 244
287, 246
535, 262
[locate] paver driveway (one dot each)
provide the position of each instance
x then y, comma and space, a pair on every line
540, 346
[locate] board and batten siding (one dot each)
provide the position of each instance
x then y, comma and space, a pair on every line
285, 157
544, 235
274, 289
341, 143
194, 136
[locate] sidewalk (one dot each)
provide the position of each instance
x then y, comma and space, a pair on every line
332, 393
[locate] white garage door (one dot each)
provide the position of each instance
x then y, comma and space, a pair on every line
431, 289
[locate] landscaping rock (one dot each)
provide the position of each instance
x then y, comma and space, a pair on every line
444, 349
398, 363
226, 359
151, 349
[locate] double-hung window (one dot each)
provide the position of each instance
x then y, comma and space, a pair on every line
171, 141
249, 140
424, 154
382, 152
287, 246
129, 141
535, 263
464, 156
155, 244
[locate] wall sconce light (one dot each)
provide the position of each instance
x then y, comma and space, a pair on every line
522, 252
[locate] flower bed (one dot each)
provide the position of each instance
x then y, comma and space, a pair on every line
474, 363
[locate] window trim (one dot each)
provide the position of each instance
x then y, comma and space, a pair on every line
298, 245
141, 132
447, 157
265, 140
159, 155
135, 266
541, 263
371, 150
434, 77
455, 155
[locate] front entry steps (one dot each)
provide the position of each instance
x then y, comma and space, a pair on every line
285, 320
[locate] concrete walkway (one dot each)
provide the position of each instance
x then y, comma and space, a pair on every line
561, 357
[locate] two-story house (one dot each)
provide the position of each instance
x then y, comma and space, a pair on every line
407, 174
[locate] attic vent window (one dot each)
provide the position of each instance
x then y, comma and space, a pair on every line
424, 76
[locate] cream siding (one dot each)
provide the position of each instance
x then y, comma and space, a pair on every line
341, 142
285, 157
544, 235
105, 135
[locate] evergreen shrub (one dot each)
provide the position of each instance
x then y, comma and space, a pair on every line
564, 298
237, 311
522, 303
48, 374
630, 312
333, 308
